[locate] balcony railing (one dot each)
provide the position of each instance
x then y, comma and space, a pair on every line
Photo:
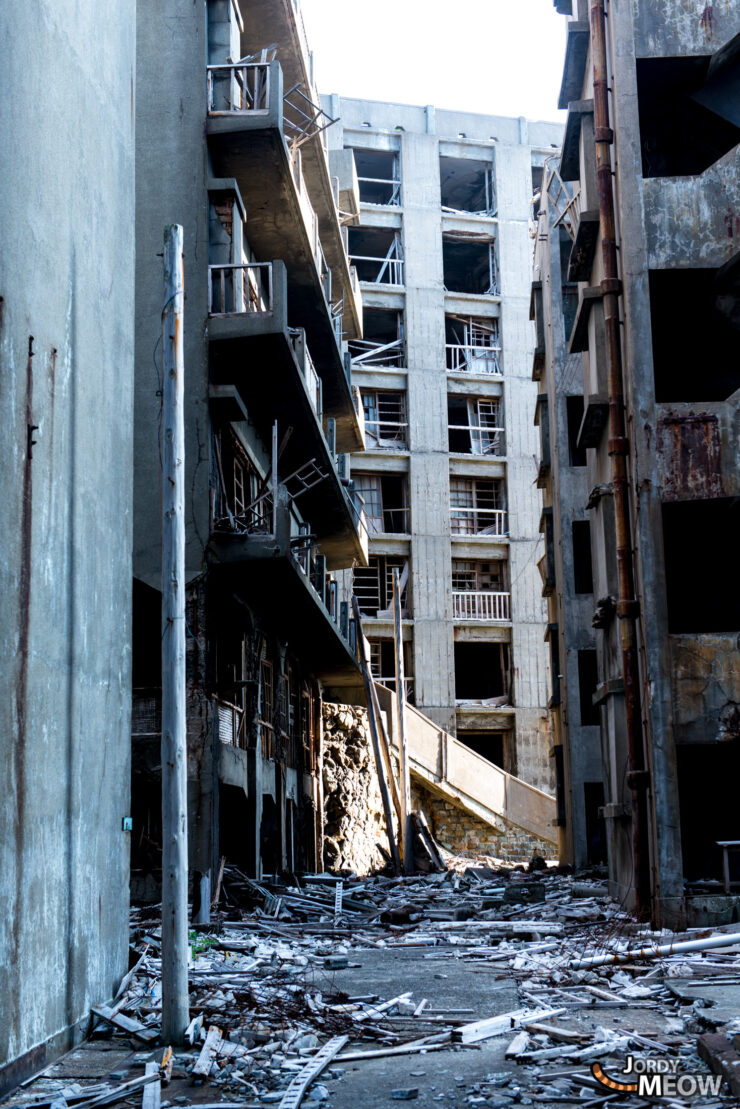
481, 605
366, 353
386, 435
464, 359
394, 521
243, 88
382, 271
390, 683
237, 290
478, 521
313, 381
231, 720
393, 185
483, 440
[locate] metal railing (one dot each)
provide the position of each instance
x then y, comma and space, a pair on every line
473, 359
394, 185
390, 683
242, 88
390, 270
478, 521
388, 435
481, 605
395, 521
483, 440
236, 290
368, 352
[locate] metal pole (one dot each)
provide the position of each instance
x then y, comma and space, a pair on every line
656, 952
403, 759
618, 447
175, 1002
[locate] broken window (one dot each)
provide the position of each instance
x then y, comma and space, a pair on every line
688, 111
701, 565
708, 774
481, 672
242, 501
469, 264
477, 506
593, 803
694, 321
466, 185
588, 680
377, 253
386, 426
383, 665
267, 709
386, 504
379, 176
574, 412
373, 585
583, 580
475, 425
382, 343
472, 345
477, 590
553, 639
489, 745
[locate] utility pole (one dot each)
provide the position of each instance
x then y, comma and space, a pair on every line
175, 1001
403, 760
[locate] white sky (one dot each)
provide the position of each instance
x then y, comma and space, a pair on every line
497, 57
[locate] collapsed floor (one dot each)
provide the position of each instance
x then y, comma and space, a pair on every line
458, 987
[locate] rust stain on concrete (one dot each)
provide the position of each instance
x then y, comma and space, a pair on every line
690, 453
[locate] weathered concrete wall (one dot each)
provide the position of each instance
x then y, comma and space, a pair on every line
66, 373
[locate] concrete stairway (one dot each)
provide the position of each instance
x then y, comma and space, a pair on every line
452, 771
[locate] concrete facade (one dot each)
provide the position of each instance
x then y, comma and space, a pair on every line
443, 253
676, 174
271, 523
66, 388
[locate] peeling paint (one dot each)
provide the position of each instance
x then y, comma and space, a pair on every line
690, 456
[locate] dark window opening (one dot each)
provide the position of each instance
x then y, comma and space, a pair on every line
557, 755
583, 578
270, 836
554, 640
475, 425
701, 565
383, 665
377, 253
695, 345
593, 800
234, 829
689, 115
588, 680
708, 774
373, 585
469, 265
489, 745
146, 652
382, 343
569, 289
481, 671
386, 502
574, 410
378, 176
537, 172
467, 185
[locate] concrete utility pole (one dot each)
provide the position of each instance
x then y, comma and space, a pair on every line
175, 1001
405, 790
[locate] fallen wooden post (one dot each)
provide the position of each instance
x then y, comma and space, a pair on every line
294, 1094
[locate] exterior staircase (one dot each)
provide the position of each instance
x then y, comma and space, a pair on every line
449, 769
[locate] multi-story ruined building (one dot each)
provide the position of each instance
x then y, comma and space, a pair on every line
232, 145
442, 250
66, 389
647, 187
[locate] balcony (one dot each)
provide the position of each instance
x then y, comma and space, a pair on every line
478, 521
245, 129
483, 606
248, 327
463, 359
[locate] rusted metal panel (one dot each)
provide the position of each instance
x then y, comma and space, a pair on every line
690, 456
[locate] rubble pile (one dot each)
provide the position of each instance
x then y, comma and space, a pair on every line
278, 1016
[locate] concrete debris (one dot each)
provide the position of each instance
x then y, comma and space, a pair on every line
282, 992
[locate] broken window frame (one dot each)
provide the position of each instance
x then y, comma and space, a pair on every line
390, 267
247, 88
485, 427
377, 516
394, 182
491, 208
479, 351
478, 515
494, 287
388, 406
389, 681
374, 583
267, 708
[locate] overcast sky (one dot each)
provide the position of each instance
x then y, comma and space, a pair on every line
498, 57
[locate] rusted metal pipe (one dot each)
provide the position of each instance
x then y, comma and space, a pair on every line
618, 447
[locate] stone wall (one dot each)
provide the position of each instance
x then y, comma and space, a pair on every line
353, 809
459, 831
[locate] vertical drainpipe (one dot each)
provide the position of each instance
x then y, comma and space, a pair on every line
627, 604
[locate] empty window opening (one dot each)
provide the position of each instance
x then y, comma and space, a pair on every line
267, 708
481, 672
701, 565
386, 502
489, 745
382, 342
695, 345
378, 175
475, 425
373, 585
546, 564
593, 802
383, 665
477, 506
553, 639
689, 114
583, 578
386, 425
233, 826
707, 789
472, 345
568, 289
469, 265
588, 680
377, 253
146, 655
478, 590
467, 186
242, 502
574, 410
537, 172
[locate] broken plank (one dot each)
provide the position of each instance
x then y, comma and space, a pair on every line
152, 1096
517, 1045
209, 1051
497, 1026
126, 1024
564, 1035
119, 1093
294, 1094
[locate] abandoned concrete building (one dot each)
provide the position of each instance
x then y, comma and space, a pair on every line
443, 368
635, 298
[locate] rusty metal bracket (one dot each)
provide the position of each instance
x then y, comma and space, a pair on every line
620, 445
628, 610
610, 285
603, 134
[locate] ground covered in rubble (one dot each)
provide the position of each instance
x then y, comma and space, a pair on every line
459, 988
